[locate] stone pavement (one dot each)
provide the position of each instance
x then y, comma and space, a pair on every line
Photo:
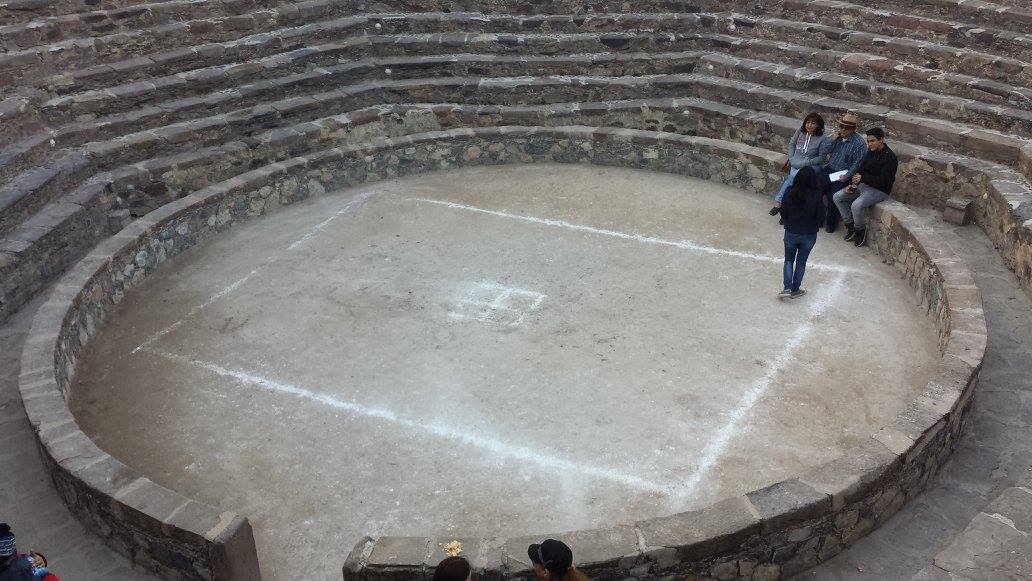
974, 522
28, 500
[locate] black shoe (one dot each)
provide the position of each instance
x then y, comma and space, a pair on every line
831, 227
861, 238
781, 221
774, 211
850, 232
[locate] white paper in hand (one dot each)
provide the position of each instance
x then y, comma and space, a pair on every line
836, 176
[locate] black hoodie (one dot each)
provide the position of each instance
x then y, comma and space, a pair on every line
878, 169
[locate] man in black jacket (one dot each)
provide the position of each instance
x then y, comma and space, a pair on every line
871, 184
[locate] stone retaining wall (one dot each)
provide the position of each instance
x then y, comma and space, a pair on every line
767, 533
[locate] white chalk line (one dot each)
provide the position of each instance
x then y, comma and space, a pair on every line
683, 244
193, 311
496, 447
238, 283
715, 448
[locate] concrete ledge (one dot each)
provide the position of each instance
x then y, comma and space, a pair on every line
775, 531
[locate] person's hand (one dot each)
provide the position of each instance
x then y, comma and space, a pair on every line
856, 180
38, 560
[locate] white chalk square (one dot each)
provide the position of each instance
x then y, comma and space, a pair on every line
496, 304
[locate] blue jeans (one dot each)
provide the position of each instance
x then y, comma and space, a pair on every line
852, 204
797, 250
780, 196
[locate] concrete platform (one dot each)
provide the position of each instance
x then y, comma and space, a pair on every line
496, 351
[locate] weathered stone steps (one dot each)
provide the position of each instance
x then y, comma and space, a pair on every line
161, 178
922, 53
487, 47
31, 189
958, 109
15, 11
888, 23
127, 18
1014, 16
67, 55
968, 87
496, 90
95, 102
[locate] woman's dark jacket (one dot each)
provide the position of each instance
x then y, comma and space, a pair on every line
803, 216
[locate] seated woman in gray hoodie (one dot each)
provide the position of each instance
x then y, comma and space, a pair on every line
803, 151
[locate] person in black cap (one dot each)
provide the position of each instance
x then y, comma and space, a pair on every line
15, 566
553, 561
453, 568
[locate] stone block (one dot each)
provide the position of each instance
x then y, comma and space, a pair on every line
787, 503
854, 475
484, 555
1015, 505
695, 535
957, 211
398, 558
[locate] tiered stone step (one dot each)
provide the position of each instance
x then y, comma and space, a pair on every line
33, 187
1014, 15
892, 23
81, 215
958, 109
77, 25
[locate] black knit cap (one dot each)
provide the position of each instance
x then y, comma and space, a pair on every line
552, 555
7, 547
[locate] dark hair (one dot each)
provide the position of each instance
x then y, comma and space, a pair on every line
813, 116
877, 133
804, 184
452, 569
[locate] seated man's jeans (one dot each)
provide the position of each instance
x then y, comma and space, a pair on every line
852, 204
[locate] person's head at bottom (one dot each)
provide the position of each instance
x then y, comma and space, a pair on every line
453, 569
553, 561
8, 549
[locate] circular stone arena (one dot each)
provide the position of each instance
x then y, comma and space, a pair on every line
496, 351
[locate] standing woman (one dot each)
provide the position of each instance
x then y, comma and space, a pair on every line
803, 151
803, 213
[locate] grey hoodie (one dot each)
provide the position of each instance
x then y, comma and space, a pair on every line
804, 148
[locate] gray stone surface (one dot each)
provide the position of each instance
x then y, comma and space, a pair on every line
947, 530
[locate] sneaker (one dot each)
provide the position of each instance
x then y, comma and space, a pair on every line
831, 227
797, 294
861, 238
850, 232
785, 292
774, 211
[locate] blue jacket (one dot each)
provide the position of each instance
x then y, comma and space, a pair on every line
845, 154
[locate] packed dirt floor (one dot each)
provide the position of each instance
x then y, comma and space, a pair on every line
496, 352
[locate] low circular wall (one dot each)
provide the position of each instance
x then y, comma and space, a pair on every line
775, 531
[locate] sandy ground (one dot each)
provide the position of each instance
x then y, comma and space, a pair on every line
496, 351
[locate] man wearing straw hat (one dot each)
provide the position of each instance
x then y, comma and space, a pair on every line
844, 152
